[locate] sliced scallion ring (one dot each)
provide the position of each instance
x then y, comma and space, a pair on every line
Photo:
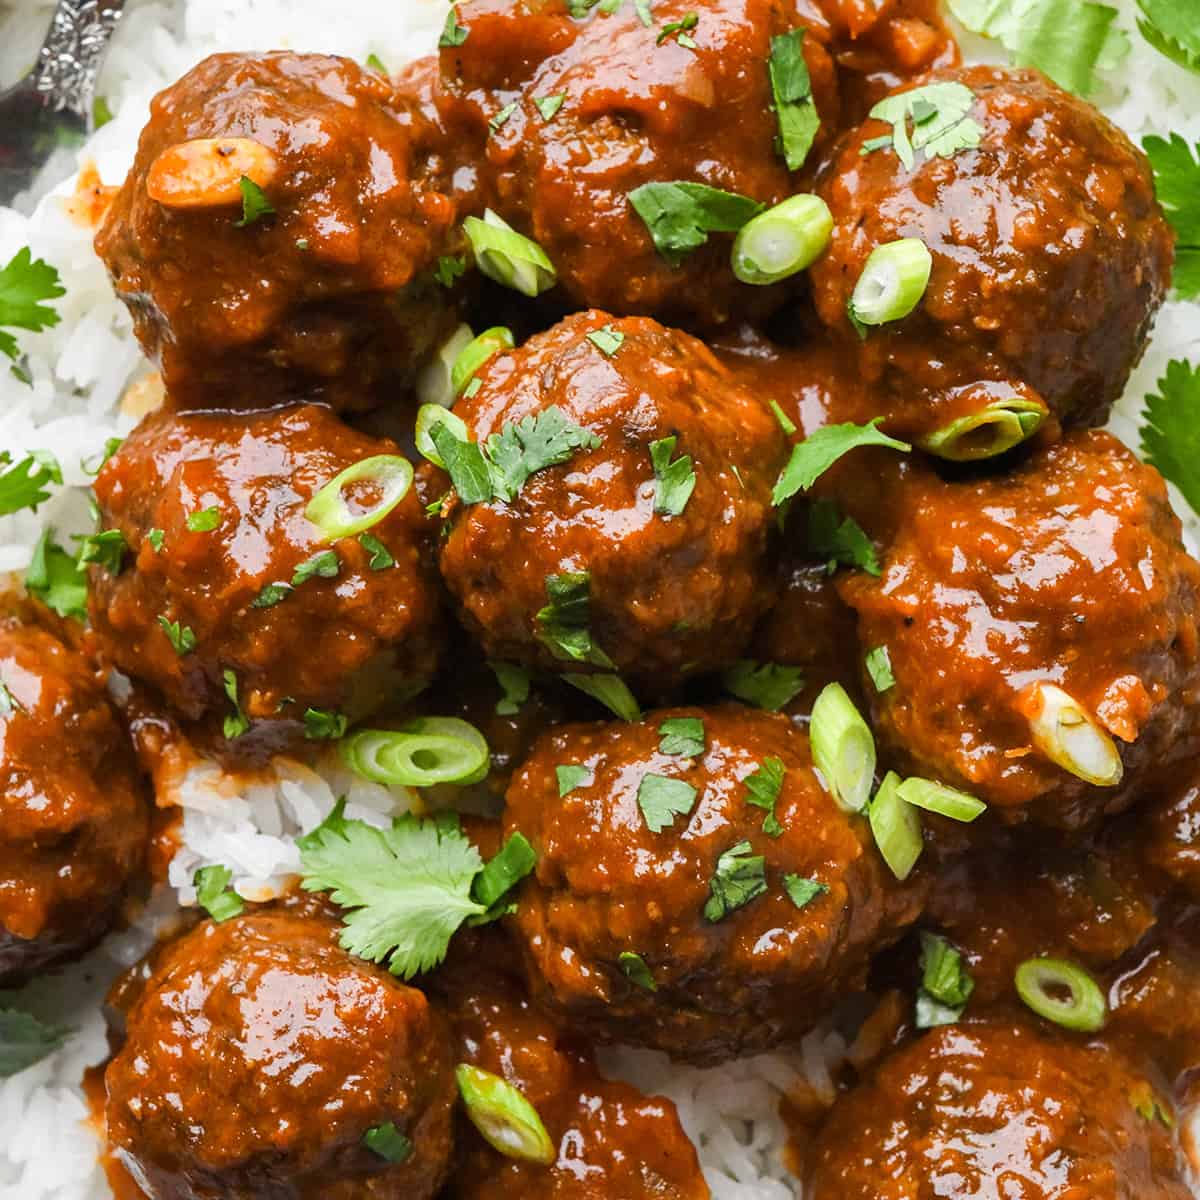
896, 827
783, 240
938, 798
508, 257
843, 748
1067, 735
992, 430
390, 474
429, 416
504, 1118
433, 383
425, 753
476, 353
1063, 993
892, 283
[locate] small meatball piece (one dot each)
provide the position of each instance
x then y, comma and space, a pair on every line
296, 630
995, 1110
258, 1055
74, 822
1170, 829
1031, 618
1050, 258
743, 936
669, 594
331, 293
639, 105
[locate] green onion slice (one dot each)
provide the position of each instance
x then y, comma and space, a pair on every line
843, 748
1067, 735
389, 474
476, 353
433, 383
504, 1118
892, 282
992, 430
424, 753
1063, 993
782, 241
896, 827
938, 798
429, 416
508, 257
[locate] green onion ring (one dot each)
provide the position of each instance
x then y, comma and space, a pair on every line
429, 416
504, 1118
1085, 1011
508, 257
896, 827
330, 513
892, 282
473, 355
938, 798
424, 753
783, 240
843, 748
991, 431
433, 381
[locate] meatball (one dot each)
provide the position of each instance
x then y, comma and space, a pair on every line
331, 293
259, 1057
230, 601
668, 577
1050, 258
1030, 619
1170, 831
999, 1109
74, 822
641, 103
708, 902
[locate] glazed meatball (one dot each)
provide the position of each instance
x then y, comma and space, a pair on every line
999, 1109
74, 821
1050, 258
639, 105
259, 1056
1041, 628
1170, 830
227, 586
332, 292
671, 578
709, 901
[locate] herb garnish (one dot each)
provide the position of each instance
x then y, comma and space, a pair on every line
499, 119
325, 564
24, 283
681, 215
879, 667
762, 790
570, 776
453, 34
214, 894
1172, 27
794, 104
236, 723
662, 799
449, 268
818, 452
611, 691
636, 971
946, 985
493, 885
607, 340
24, 1041
802, 892
23, 486
839, 539
548, 106
675, 481
106, 549
765, 685
1171, 433
182, 637
57, 578
1177, 183
255, 204
205, 520
381, 558
563, 625
155, 537
681, 29
514, 683
324, 724
682, 737
939, 114
740, 877
388, 1142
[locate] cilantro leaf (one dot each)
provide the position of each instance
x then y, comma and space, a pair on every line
375, 63
662, 799
204, 520
539, 440
453, 34
181, 637
408, 888
681, 29
324, 563
681, 215
802, 892
762, 790
24, 1041
1171, 434
514, 683
214, 895
449, 268
740, 877
156, 537
570, 776
563, 625
682, 736
24, 283
879, 667
255, 204
106, 549
946, 984
765, 685
636, 971
939, 112
607, 340
388, 1142
794, 104
611, 691
381, 558
23, 486
513, 861
324, 725
236, 723
465, 464
675, 481
1172, 27
1177, 182
271, 594
548, 106
818, 452
57, 578
502, 116
839, 539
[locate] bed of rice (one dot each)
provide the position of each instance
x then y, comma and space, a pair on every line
80, 370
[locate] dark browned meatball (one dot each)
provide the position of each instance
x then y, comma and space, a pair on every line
1050, 257
227, 585
333, 291
1170, 829
1041, 628
673, 575
669, 909
995, 1110
74, 821
258, 1059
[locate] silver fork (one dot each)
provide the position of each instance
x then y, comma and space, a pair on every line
52, 105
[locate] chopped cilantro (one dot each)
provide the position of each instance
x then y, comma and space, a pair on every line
513, 861
465, 464
812, 457
23, 486
939, 112
453, 34
879, 667
839, 539
1172, 27
514, 683
675, 481
271, 594
155, 537
324, 564
682, 736
25, 1040
606, 339
205, 520
946, 985
740, 877
24, 283
635, 970
1177, 182
57, 579
765, 685
324, 725
762, 790
388, 1142
785, 422
564, 624
570, 776
181, 637
236, 723
611, 691
681, 30
255, 204
542, 440
375, 63
801, 891
214, 895
681, 215
106, 549
101, 113
794, 104
662, 799
1171, 434
381, 558
499, 119
548, 106
111, 446
449, 268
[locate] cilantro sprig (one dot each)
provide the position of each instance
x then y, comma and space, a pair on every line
680, 215
838, 539
739, 878
818, 452
768, 686
564, 624
1172, 27
25, 284
662, 799
675, 481
795, 107
1177, 182
946, 984
1171, 433
26, 1040
941, 122
24, 485
762, 790
57, 578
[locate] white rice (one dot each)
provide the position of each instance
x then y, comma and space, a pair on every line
81, 367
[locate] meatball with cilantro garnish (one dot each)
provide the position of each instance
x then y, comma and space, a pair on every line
258, 1058
611, 503
697, 890
264, 568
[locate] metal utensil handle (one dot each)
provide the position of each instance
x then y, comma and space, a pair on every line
73, 52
